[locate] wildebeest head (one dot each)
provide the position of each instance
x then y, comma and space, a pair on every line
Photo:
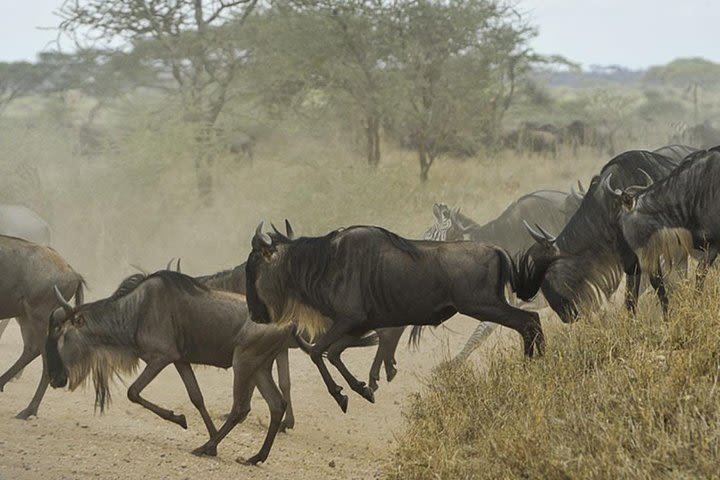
64, 323
267, 252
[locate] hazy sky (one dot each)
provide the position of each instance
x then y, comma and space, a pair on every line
634, 33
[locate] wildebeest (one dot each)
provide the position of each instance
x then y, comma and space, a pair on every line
676, 152
591, 251
242, 143
21, 222
29, 272
234, 280
168, 318
678, 212
362, 278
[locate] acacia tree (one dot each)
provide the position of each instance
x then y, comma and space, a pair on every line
455, 65
337, 47
185, 38
18, 79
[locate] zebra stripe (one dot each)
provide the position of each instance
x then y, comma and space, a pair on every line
481, 333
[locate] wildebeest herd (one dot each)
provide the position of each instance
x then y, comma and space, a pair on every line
644, 212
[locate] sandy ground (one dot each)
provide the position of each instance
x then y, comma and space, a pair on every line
68, 440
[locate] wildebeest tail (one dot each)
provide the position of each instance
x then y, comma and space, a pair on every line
523, 274
415, 334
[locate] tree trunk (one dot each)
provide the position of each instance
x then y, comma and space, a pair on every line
425, 160
203, 166
372, 132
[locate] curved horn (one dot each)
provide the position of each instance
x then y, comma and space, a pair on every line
63, 303
289, 230
650, 180
261, 239
169, 265
276, 230
538, 237
177, 266
550, 238
581, 189
612, 191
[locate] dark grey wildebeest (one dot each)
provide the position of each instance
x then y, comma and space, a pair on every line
29, 272
676, 152
233, 280
21, 222
591, 251
678, 212
362, 278
169, 318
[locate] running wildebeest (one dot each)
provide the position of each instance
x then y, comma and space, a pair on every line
702, 135
21, 222
678, 212
29, 272
360, 278
591, 251
241, 143
233, 280
168, 318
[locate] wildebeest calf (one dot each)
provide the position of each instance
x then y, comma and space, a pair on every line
169, 318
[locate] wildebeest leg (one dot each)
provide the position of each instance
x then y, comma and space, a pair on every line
658, 283
388, 339
283, 367
632, 291
32, 348
276, 404
333, 355
706, 261
151, 371
323, 343
524, 322
3, 325
32, 408
196, 397
252, 355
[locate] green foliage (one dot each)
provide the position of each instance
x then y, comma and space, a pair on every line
685, 71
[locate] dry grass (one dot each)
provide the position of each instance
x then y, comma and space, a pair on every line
615, 397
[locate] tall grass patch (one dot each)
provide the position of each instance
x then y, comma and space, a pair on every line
614, 397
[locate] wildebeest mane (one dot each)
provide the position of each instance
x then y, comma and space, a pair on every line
231, 280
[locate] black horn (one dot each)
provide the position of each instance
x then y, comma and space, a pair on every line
61, 300
289, 230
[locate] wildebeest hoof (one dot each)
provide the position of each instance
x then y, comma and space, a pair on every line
373, 384
391, 372
367, 393
342, 400
180, 420
25, 414
254, 460
205, 451
286, 425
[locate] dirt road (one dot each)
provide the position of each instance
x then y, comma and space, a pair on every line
68, 440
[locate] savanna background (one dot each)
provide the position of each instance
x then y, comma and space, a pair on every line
358, 112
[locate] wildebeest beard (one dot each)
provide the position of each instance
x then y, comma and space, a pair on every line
290, 307
573, 283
